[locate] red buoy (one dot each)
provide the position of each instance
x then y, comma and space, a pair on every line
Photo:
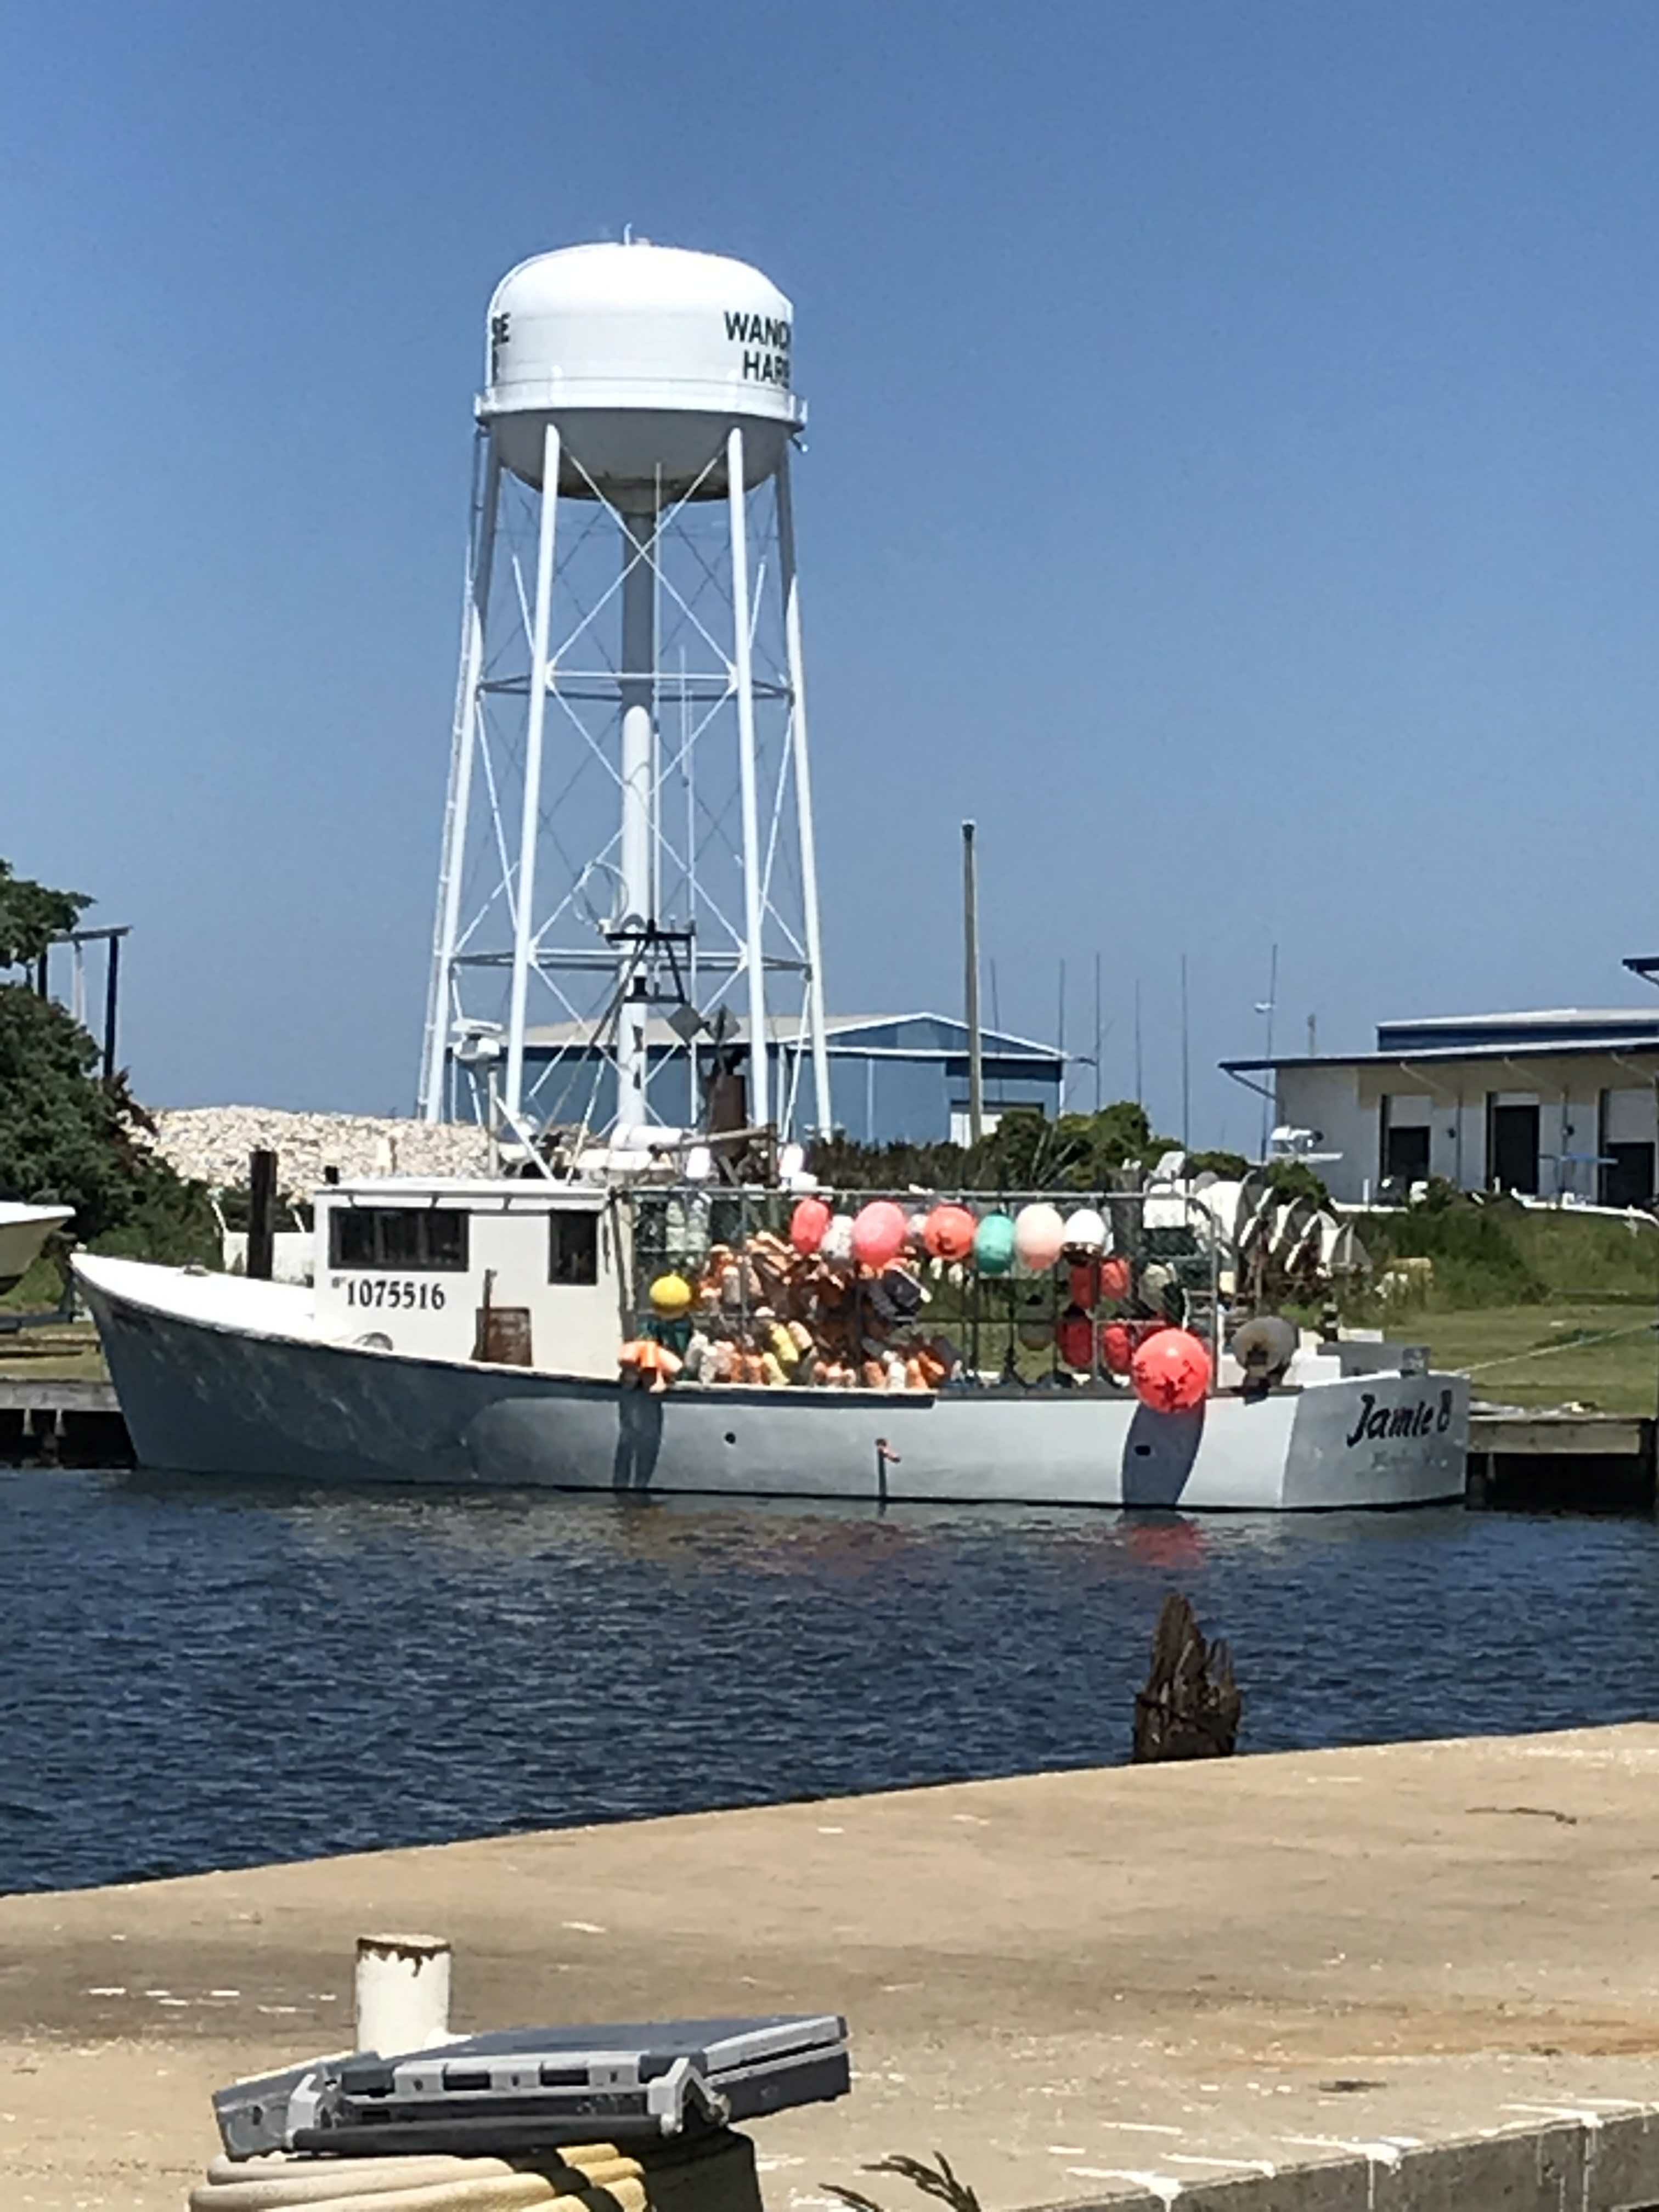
1075, 1336
1115, 1277
1117, 1348
1171, 1372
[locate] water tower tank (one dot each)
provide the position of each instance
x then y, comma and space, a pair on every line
643, 357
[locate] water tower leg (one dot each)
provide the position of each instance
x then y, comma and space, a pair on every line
458, 802
523, 908
743, 679
638, 688
809, 863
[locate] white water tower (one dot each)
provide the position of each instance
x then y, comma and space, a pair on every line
628, 838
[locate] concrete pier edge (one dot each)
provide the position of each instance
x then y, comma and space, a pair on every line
1596, 2162
1357, 1980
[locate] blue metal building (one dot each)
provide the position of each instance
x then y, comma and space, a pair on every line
893, 1077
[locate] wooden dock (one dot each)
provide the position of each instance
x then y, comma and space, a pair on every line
66, 1421
1560, 1456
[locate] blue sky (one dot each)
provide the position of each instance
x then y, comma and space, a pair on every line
1231, 481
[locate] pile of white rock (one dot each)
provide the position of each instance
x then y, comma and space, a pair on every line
211, 1145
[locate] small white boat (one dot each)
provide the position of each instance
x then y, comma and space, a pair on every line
23, 1232
368, 1376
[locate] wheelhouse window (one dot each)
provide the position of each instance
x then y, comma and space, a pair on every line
410, 1238
573, 1248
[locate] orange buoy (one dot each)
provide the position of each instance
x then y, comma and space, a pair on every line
948, 1233
1171, 1372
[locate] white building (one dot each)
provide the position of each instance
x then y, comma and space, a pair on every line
1559, 1103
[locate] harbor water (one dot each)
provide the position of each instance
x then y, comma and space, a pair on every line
200, 1674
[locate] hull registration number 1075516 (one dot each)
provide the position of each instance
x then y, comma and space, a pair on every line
392, 1291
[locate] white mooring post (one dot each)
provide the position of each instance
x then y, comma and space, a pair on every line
403, 1993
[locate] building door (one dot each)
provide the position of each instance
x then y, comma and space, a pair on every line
1512, 1146
1407, 1154
1627, 1175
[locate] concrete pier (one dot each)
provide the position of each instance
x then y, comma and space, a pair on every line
1372, 1977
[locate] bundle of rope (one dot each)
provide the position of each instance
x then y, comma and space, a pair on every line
576, 2178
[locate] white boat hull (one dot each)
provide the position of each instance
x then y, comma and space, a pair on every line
23, 1232
211, 1397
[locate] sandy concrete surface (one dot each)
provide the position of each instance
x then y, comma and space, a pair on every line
1076, 1985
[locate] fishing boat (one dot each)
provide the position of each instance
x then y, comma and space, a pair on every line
642, 1333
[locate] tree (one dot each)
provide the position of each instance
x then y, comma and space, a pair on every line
66, 1138
1025, 1152
31, 916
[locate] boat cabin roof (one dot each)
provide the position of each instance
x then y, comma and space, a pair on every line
530, 1193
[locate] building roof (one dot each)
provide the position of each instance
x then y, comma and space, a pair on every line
1543, 1029
920, 1035
1547, 1025
1554, 1030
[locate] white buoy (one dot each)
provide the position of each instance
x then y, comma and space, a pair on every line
403, 1993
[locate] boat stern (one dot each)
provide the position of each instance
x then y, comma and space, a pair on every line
1385, 1439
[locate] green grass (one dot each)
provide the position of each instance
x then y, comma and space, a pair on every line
1544, 1308
1539, 1355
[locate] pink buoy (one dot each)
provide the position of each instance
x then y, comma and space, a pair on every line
808, 1225
1039, 1233
878, 1233
1172, 1371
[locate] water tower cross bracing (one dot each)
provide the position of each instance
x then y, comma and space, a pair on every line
628, 857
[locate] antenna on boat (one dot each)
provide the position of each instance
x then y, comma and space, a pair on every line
1097, 1033
970, 961
1060, 1033
1265, 1007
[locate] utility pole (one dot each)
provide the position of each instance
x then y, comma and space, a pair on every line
970, 960
1140, 1087
1186, 1068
